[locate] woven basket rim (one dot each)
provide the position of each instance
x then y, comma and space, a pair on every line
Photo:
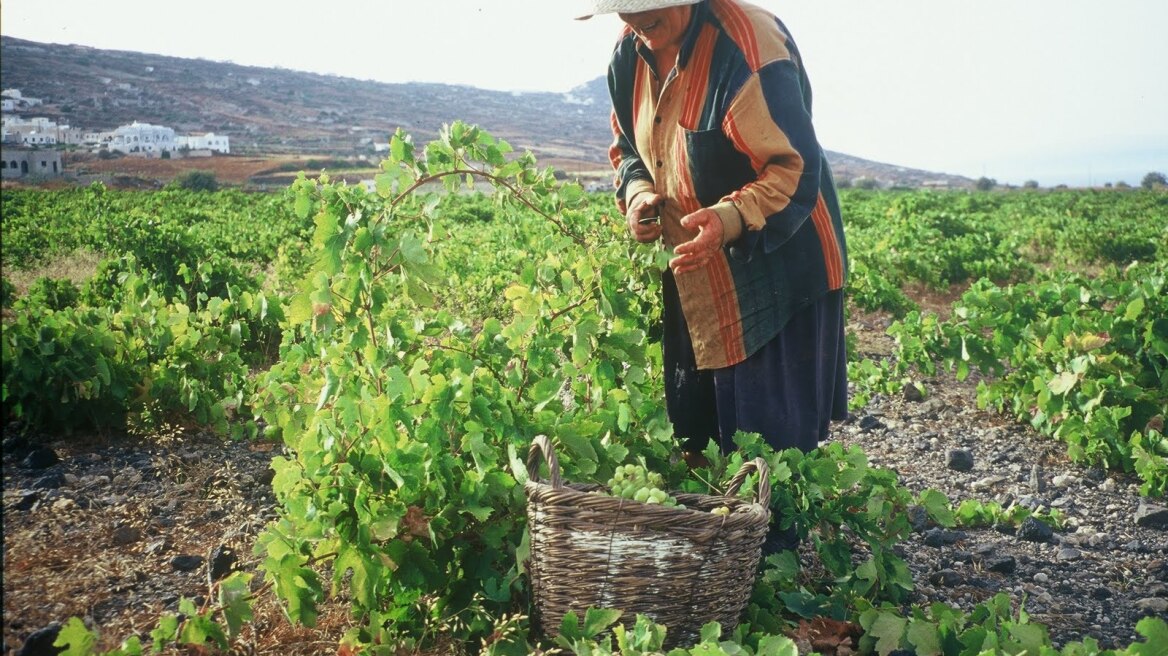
584, 499
598, 499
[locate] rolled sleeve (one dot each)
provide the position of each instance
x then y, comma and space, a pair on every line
769, 123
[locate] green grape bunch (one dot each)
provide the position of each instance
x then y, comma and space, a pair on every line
636, 483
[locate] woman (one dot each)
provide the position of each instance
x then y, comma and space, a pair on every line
715, 155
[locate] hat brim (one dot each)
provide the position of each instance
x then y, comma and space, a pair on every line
631, 6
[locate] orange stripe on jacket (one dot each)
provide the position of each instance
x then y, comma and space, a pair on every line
614, 151
717, 270
831, 250
743, 22
697, 76
738, 26
726, 307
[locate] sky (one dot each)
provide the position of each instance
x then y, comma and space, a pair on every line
1057, 91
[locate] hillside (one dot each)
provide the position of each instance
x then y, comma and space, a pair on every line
278, 111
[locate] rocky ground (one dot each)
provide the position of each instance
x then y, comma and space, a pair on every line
115, 531
1098, 576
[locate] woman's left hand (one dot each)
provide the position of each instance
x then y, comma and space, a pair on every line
695, 253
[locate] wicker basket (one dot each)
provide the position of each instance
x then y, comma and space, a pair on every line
681, 566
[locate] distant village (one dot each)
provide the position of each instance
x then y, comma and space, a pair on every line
31, 147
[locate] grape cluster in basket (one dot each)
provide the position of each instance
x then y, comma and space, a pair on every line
636, 483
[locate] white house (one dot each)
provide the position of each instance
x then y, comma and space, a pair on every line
151, 140
18, 99
38, 138
215, 143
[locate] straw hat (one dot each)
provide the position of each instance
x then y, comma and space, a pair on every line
594, 7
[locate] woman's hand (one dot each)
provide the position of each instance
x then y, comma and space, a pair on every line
695, 253
643, 219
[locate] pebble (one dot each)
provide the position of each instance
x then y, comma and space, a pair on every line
186, 563
41, 457
1036, 482
988, 482
1069, 554
41, 641
1150, 515
959, 459
1041, 578
52, 481
1002, 565
1158, 605
125, 535
1033, 530
939, 537
946, 577
63, 504
1063, 480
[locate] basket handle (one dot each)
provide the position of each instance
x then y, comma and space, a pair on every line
543, 445
763, 494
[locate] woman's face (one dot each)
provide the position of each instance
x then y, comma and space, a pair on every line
660, 29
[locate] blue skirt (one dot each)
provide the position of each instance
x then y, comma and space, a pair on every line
788, 391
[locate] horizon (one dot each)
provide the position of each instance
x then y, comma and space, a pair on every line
1035, 105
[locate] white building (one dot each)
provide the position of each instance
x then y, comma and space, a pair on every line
24, 162
16, 100
150, 140
38, 138
37, 131
215, 143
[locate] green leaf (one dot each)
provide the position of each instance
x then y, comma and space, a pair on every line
1134, 310
165, 633
570, 626
303, 204
888, 629
235, 600
938, 507
597, 620
776, 645
1156, 631
710, 632
1063, 383
1030, 637
924, 637
78, 639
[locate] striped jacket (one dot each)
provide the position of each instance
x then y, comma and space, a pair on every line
730, 129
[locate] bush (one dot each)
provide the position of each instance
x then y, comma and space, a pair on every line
985, 184
52, 294
7, 293
197, 180
1154, 179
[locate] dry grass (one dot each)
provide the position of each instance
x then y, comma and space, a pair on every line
77, 267
228, 169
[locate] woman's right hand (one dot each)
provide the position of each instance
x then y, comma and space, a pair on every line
643, 217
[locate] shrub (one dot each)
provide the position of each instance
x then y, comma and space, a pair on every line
52, 293
1154, 179
7, 293
197, 180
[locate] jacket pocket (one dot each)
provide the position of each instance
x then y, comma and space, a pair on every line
716, 167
